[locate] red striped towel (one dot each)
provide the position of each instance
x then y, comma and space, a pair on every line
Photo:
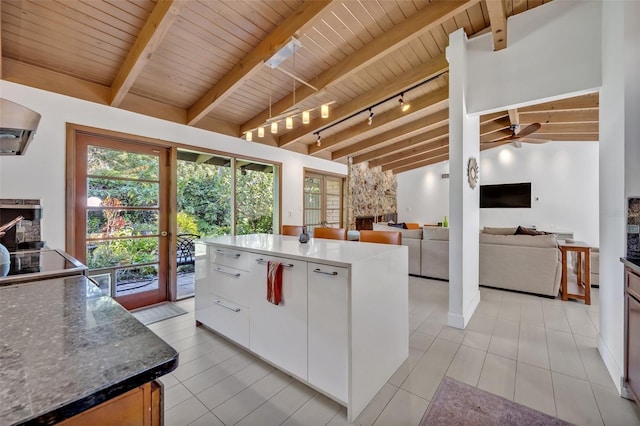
274, 282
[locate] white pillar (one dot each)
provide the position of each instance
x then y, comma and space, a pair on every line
464, 204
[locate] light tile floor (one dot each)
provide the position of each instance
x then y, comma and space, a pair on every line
535, 351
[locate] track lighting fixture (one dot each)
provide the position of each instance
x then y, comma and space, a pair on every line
324, 111
305, 117
261, 132
370, 119
288, 122
403, 105
249, 136
274, 127
318, 139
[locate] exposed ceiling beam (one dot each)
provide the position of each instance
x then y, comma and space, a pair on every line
514, 119
299, 18
40, 78
426, 19
162, 17
419, 74
494, 126
417, 158
559, 116
568, 137
498, 18
405, 144
406, 129
586, 127
590, 101
406, 168
427, 101
408, 155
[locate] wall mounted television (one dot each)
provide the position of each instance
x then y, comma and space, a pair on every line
509, 195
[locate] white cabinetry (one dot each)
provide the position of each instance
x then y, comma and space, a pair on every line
342, 325
279, 332
328, 329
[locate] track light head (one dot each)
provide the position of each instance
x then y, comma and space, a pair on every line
370, 119
318, 139
403, 105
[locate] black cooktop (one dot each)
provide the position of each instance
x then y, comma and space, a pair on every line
40, 262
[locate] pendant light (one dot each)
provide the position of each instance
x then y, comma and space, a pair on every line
274, 127
324, 111
249, 136
261, 132
288, 122
305, 117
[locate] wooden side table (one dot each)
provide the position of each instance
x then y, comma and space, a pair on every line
582, 288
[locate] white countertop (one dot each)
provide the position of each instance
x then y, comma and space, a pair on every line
334, 252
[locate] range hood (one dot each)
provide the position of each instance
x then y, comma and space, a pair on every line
18, 124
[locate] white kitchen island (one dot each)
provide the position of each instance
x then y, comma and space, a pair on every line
343, 324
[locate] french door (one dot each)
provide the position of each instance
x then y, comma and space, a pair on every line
121, 210
323, 200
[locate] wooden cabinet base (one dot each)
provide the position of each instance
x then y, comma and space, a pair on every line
141, 406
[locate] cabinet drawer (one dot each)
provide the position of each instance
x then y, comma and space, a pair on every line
228, 257
230, 283
230, 319
633, 283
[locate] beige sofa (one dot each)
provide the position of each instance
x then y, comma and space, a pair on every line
524, 263
435, 252
410, 238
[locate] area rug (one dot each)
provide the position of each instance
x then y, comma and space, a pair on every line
457, 403
157, 313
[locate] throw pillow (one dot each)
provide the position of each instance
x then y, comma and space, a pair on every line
529, 231
398, 225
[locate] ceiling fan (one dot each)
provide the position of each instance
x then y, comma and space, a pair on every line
518, 137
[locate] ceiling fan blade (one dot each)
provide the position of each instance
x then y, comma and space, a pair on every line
489, 145
534, 140
528, 130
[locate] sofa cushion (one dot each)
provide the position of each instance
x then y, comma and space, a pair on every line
437, 233
499, 231
520, 240
521, 230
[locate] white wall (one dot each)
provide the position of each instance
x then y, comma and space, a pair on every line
619, 174
40, 173
552, 50
563, 176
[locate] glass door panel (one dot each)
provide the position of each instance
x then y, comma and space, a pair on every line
254, 197
126, 209
322, 201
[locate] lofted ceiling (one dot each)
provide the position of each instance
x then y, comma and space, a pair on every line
202, 63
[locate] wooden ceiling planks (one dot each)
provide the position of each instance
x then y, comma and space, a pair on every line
355, 52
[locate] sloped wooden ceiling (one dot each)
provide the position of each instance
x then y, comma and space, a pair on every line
202, 63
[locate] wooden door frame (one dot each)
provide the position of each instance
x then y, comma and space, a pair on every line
322, 174
73, 130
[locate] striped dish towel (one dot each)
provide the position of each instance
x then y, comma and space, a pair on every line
274, 282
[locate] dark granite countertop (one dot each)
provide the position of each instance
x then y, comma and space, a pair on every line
631, 263
66, 347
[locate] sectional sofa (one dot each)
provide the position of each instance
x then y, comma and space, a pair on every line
524, 263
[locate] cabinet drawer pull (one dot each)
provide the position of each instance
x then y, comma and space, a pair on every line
237, 274
264, 262
224, 253
231, 308
320, 271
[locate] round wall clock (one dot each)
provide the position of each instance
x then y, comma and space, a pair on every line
472, 172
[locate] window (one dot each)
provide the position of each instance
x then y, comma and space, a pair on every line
323, 200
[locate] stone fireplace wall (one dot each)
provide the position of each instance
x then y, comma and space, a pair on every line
372, 192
